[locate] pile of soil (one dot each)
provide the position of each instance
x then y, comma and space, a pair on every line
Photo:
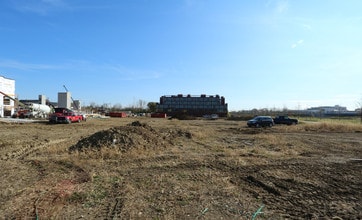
133, 135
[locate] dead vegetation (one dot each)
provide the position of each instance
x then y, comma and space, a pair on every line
332, 127
172, 169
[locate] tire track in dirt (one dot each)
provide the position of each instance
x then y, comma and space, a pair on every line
303, 195
149, 170
115, 210
156, 159
112, 209
47, 197
30, 149
132, 171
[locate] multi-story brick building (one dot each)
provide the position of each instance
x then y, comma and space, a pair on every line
192, 105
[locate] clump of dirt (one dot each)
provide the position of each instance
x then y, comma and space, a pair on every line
139, 124
174, 133
133, 135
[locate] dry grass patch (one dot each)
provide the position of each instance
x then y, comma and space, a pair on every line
332, 127
323, 126
171, 169
274, 144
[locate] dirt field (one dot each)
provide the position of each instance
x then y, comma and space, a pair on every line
147, 168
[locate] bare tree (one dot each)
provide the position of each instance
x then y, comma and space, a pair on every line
116, 107
142, 104
92, 105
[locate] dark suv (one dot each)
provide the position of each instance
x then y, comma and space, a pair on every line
261, 121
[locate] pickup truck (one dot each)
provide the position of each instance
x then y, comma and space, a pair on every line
64, 115
285, 120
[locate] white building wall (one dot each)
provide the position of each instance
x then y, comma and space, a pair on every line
7, 86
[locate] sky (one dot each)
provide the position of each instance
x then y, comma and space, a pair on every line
257, 54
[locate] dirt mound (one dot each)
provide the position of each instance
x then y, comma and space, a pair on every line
133, 135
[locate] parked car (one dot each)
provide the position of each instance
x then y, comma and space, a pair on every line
285, 120
64, 115
261, 121
211, 117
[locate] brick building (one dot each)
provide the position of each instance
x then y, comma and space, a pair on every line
192, 105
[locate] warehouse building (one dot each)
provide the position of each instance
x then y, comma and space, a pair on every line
192, 105
7, 96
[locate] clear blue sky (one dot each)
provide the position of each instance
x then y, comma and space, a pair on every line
260, 53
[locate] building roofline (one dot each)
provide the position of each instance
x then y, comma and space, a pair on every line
6, 77
188, 96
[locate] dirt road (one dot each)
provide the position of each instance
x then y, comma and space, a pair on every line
169, 169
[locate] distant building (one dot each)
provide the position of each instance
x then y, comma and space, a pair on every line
336, 110
41, 100
328, 109
7, 96
64, 100
192, 105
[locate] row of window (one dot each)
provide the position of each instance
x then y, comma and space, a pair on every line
193, 108
186, 100
189, 105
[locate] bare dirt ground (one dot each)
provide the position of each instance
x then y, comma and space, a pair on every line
169, 169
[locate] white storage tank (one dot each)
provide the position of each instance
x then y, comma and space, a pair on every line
40, 108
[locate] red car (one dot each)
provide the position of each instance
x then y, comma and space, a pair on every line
64, 115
